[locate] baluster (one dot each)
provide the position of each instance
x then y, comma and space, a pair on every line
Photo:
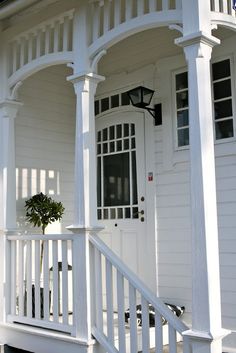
65, 34
14, 54
107, 17
46, 279
121, 309
216, 5
178, 4
96, 21
38, 44
37, 280
55, 281
98, 290
128, 10
30, 48
186, 345
47, 40
224, 6
165, 5
145, 325
64, 280
158, 333
21, 278
22, 52
109, 297
13, 277
133, 319
172, 339
117, 14
29, 277
56, 37
140, 10
152, 5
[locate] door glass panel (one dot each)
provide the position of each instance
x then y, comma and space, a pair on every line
116, 180
117, 173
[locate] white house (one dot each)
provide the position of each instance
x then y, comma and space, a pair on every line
162, 197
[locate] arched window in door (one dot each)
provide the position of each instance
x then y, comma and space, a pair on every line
116, 172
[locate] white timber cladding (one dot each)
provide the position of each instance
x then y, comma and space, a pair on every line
45, 141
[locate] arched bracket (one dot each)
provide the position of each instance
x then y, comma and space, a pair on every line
14, 91
96, 59
176, 27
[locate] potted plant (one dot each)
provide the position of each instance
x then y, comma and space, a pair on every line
42, 210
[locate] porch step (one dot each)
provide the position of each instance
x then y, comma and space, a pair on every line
139, 335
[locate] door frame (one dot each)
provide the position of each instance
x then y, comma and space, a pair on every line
150, 184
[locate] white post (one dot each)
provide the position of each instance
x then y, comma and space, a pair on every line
85, 199
206, 333
8, 111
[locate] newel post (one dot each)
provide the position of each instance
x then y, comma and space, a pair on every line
206, 333
85, 200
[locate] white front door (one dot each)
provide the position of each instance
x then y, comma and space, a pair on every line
121, 187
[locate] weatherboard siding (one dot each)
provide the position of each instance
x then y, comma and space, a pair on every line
45, 129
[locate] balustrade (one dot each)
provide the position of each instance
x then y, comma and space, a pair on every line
52, 36
41, 286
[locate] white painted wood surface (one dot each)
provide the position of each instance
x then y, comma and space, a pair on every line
126, 277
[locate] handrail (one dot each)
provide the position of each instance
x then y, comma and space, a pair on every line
139, 285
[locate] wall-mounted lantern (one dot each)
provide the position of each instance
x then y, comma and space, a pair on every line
141, 97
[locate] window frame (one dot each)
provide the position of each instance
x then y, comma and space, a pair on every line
175, 110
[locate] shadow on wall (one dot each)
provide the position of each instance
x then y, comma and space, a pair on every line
30, 181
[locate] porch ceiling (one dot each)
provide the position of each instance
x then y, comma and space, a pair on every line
139, 50
145, 48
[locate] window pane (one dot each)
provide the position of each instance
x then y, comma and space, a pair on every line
183, 137
182, 99
112, 132
223, 109
224, 129
222, 89
116, 180
99, 181
126, 130
104, 134
134, 178
125, 99
105, 104
182, 118
181, 81
221, 69
96, 107
115, 101
118, 131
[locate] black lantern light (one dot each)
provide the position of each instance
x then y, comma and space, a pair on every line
141, 97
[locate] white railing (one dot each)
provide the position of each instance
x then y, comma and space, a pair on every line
109, 14
49, 37
223, 6
41, 292
116, 289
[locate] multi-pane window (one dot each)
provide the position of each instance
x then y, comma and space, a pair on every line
222, 98
181, 87
222, 102
116, 172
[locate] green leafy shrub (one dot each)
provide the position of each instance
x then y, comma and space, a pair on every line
42, 210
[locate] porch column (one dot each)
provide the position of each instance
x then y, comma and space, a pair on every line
85, 198
206, 334
8, 112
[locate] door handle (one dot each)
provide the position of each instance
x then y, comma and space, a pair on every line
138, 213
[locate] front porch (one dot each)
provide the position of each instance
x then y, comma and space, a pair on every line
54, 141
